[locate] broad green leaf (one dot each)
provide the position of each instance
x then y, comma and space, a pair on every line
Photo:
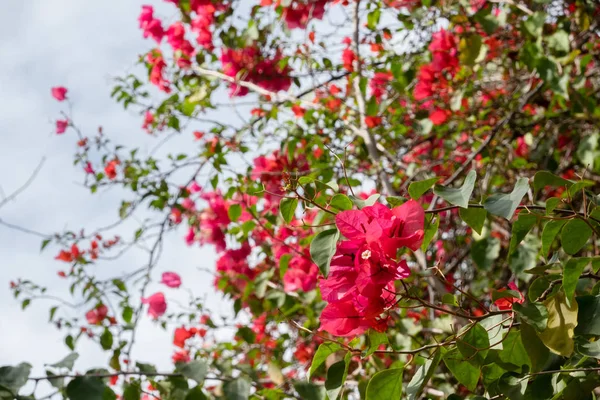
287, 207
430, 230
575, 235
572, 271
147, 368
196, 393
237, 389
588, 321
521, 228
562, 320
395, 201
385, 385
462, 370
325, 350
66, 362
54, 380
512, 386
322, 249
474, 217
376, 339
534, 314
418, 189
450, 299
360, 203
551, 204
336, 377
14, 378
106, 339
589, 349
195, 370
579, 186
308, 391
505, 205
541, 179
341, 202
132, 391
235, 212
549, 233
513, 352
474, 345
88, 388
458, 196
484, 252
536, 350
469, 47
534, 25
422, 376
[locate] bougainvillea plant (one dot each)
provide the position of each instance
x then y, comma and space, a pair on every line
408, 208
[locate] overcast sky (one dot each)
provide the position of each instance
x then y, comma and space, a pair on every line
81, 45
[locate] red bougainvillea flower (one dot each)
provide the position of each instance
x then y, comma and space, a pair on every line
59, 93
181, 335
148, 121
96, 315
151, 26
111, 169
171, 279
372, 121
61, 126
69, 256
507, 303
156, 304
181, 356
298, 111
360, 286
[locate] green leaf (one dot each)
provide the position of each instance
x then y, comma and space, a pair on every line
571, 273
14, 378
422, 376
473, 217
395, 201
536, 350
418, 189
562, 320
521, 228
559, 42
341, 202
287, 207
458, 197
146, 368
195, 370
308, 391
235, 212
430, 230
474, 344
484, 252
551, 205
549, 233
385, 385
470, 47
534, 314
513, 352
376, 339
589, 349
534, 25
450, 299
588, 321
132, 391
322, 249
505, 205
88, 388
462, 370
237, 389
66, 362
195, 393
106, 339
360, 203
512, 386
575, 235
544, 178
336, 377
325, 350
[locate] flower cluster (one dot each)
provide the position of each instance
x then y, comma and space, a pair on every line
360, 286
248, 64
298, 13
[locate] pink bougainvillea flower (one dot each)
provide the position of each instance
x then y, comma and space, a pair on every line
61, 126
181, 356
59, 93
96, 315
88, 168
156, 304
360, 285
151, 26
507, 303
439, 116
171, 279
